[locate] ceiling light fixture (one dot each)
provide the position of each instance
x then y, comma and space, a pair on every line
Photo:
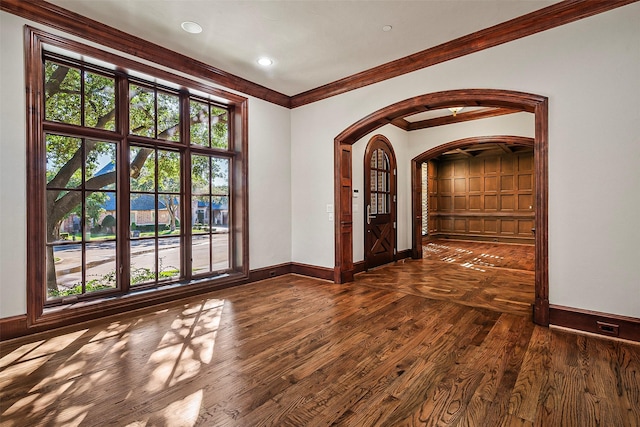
387, 28
455, 110
265, 62
191, 27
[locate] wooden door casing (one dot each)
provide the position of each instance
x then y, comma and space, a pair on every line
380, 198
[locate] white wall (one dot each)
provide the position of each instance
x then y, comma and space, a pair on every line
589, 70
13, 177
269, 164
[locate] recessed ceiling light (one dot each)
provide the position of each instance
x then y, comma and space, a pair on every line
387, 28
265, 62
191, 27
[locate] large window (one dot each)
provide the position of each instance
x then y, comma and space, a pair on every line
141, 179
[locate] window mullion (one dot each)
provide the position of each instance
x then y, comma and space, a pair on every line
185, 189
123, 232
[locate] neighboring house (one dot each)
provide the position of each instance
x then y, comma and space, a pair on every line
202, 215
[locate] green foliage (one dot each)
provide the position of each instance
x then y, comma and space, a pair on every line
142, 117
94, 206
62, 93
108, 281
219, 128
109, 221
99, 101
168, 116
60, 150
199, 126
145, 178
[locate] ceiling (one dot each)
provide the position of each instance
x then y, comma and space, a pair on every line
312, 42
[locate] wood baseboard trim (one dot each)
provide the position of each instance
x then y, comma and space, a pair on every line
269, 272
13, 327
603, 324
403, 254
358, 267
17, 326
312, 271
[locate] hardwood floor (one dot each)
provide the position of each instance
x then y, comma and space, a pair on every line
296, 351
478, 274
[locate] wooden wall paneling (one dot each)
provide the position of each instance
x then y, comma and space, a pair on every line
484, 186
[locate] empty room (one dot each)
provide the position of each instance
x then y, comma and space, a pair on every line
305, 213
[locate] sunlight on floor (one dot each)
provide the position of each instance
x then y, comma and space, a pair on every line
67, 374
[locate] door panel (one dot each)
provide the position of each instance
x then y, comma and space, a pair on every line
380, 196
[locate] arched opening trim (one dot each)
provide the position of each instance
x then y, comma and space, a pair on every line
536, 104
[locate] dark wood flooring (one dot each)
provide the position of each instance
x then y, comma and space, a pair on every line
296, 351
478, 274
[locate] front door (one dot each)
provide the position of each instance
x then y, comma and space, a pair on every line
380, 197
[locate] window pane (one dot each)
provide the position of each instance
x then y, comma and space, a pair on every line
101, 266
63, 215
219, 128
169, 214
62, 93
220, 250
220, 212
200, 254
199, 114
63, 151
100, 165
101, 222
168, 171
64, 265
143, 261
142, 210
143, 169
382, 181
142, 112
168, 258
374, 203
373, 180
381, 205
168, 117
200, 173
201, 214
385, 164
100, 101
220, 184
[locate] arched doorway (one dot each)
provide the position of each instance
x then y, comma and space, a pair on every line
536, 104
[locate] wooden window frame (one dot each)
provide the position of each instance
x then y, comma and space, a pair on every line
37, 42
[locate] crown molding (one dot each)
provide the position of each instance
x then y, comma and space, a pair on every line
558, 14
543, 19
88, 29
